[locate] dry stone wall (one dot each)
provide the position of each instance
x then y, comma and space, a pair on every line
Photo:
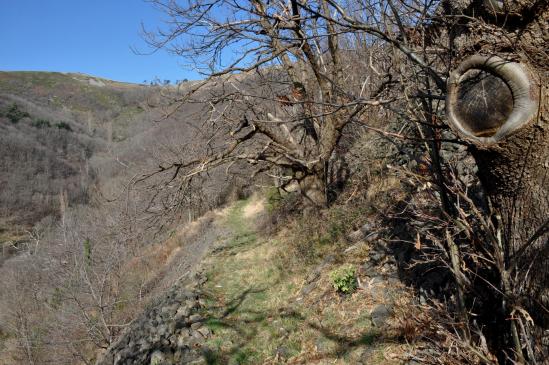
170, 331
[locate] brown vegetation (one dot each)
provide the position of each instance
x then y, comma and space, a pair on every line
420, 127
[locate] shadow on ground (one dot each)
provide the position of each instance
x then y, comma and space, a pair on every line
245, 325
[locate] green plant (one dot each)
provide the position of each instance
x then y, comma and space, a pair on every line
41, 123
63, 125
344, 279
87, 251
273, 197
15, 114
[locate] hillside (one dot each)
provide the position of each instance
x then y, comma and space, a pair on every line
54, 126
260, 274
243, 273
70, 147
70, 139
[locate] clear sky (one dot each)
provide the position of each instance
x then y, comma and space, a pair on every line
88, 36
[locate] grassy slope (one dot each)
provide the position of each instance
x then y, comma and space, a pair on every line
256, 315
60, 89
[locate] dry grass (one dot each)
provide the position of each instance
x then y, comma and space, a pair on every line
258, 313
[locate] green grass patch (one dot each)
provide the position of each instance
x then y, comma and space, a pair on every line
246, 290
251, 308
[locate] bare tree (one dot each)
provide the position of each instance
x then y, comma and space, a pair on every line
280, 86
494, 59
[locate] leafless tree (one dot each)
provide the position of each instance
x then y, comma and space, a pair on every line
282, 83
494, 61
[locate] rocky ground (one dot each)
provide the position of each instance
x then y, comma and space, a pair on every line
170, 330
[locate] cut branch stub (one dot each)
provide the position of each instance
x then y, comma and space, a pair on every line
489, 99
508, 6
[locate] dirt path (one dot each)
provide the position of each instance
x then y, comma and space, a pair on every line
237, 297
169, 330
264, 307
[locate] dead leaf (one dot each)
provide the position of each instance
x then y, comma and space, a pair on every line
418, 242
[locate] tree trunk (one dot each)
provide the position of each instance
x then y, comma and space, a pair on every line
515, 176
313, 189
501, 108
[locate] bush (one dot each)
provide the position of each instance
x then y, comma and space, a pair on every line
344, 279
63, 125
15, 114
41, 123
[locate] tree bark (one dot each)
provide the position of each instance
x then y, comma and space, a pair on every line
515, 176
313, 189
512, 154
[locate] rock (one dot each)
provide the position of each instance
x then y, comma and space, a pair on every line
171, 327
144, 345
191, 304
315, 274
356, 236
380, 314
282, 352
181, 313
369, 268
376, 280
170, 310
124, 354
162, 330
195, 318
173, 340
177, 356
166, 333
158, 358
376, 256
366, 232
183, 340
204, 331
307, 289
282, 332
196, 340
380, 294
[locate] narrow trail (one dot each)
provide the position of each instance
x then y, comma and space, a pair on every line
234, 296
170, 331
262, 305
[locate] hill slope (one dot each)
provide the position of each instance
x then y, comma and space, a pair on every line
65, 137
52, 125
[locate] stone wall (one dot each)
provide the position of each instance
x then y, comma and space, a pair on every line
170, 331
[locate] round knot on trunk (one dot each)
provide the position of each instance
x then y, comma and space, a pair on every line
489, 99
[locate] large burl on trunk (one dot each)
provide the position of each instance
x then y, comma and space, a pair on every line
497, 100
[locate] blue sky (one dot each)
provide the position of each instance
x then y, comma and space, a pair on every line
88, 36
